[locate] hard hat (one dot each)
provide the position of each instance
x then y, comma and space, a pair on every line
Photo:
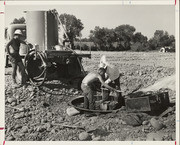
18, 32
103, 65
103, 62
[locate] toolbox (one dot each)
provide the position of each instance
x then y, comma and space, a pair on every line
150, 102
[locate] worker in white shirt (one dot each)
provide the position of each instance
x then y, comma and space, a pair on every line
112, 74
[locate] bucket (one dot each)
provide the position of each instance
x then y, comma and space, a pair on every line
104, 106
105, 94
23, 49
117, 97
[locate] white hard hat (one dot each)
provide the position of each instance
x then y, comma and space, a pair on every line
18, 32
103, 65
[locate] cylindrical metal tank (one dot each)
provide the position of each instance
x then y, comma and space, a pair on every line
35, 25
42, 29
52, 30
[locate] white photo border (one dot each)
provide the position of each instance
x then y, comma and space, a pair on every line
3, 4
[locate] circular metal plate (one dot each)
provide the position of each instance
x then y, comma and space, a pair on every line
78, 100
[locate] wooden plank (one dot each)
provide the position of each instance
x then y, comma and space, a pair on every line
65, 53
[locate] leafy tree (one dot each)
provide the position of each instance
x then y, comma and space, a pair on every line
161, 39
110, 38
96, 36
138, 37
139, 42
164, 40
72, 25
19, 21
103, 38
152, 43
158, 34
138, 46
124, 34
172, 41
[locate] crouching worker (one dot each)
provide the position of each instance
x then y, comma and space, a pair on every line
112, 77
87, 87
12, 48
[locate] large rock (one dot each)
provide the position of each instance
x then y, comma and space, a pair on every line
10, 138
155, 136
60, 119
43, 120
19, 115
145, 122
21, 109
11, 100
156, 124
17, 126
84, 136
13, 103
93, 119
48, 126
40, 128
24, 129
132, 119
72, 111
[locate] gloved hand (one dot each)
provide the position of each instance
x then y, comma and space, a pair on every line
30, 45
108, 81
118, 91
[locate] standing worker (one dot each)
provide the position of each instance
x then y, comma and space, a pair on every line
12, 48
88, 90
112, 75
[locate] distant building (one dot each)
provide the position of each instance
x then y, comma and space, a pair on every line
165, 49
162, 49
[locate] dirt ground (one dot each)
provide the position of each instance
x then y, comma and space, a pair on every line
42, 112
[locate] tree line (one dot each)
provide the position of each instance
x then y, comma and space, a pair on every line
125, 37
121, 38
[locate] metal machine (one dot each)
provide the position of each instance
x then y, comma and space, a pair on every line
50, 54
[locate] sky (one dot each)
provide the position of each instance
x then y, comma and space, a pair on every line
145, 18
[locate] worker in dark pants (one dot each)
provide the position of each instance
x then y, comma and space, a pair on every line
112, 78
13, 47
88, 90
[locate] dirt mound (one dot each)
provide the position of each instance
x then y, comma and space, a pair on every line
166, 83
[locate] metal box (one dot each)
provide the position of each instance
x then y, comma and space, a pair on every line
151, 102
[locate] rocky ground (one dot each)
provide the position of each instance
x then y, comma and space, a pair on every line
39, 114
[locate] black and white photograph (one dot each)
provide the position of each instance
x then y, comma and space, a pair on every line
90, 72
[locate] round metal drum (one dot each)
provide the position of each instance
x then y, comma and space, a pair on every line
36, 28
42, 29
23, 49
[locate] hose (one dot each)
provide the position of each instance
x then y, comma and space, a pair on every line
44, 64
38, 80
